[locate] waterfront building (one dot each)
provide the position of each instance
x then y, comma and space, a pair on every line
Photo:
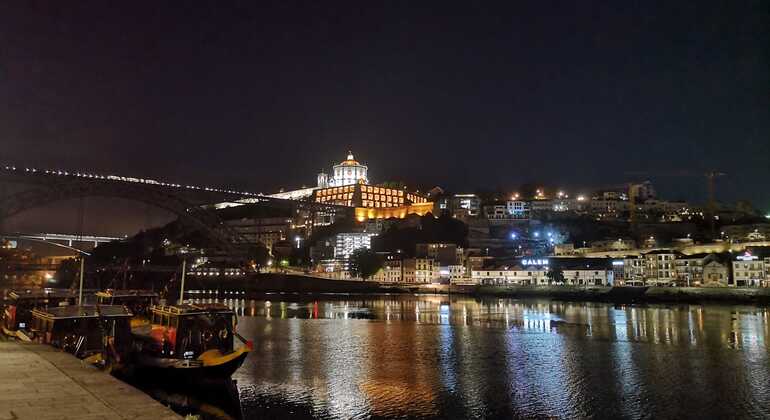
634, 270
544, 271
454, 273
715, 274
752, 268
689, 268
391, 271
660, 268
420, 270
618, 273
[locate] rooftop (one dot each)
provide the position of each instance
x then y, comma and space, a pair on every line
192, 309
84, 311
350, 160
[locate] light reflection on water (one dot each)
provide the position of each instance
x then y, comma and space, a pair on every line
459, 357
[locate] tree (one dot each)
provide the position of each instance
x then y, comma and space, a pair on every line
364, 263
258, 256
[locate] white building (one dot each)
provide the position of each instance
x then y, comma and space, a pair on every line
750, 270
347, 172
454, 273
346, 243
504, 276
518, 209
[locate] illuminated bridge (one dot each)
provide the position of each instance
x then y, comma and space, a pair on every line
192, 204
61, 237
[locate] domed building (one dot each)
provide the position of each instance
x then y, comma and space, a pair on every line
347, 172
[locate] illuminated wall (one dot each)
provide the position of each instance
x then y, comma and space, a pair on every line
364, 213
368, 196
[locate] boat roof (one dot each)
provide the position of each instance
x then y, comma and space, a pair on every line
83, 311
191, 309
110, 293
42, 294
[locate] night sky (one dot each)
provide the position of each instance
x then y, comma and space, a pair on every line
262, 95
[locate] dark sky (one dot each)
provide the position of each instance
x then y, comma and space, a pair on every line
261, 95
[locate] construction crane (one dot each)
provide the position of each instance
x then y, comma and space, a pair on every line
710, 185
710, 177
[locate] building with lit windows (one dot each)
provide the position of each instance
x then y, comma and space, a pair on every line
420, 270
347, 172
660, 267
349, 186
752, 268
346, 243
374, 202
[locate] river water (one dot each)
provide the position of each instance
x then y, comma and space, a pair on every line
460, 357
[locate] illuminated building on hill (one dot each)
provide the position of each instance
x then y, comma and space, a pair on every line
347, 172
374, 202
349, 186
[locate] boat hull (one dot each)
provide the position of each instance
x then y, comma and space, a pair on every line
185, 371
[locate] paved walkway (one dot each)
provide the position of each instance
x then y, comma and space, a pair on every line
38, 382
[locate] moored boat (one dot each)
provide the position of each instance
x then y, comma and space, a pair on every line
189, 342
97, 333
17, 314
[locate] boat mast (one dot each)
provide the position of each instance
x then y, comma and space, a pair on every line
80, 290
181, 291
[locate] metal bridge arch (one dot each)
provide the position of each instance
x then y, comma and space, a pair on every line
189, 213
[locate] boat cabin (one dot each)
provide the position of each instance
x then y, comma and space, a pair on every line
84, 330
17, 315
137, 301
187, 331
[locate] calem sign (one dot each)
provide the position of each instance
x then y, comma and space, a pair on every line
534, 261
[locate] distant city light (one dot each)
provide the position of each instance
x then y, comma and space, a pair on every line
536, 234
513, 235
123, 179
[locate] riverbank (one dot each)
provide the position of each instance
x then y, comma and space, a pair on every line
287, 283
39, 382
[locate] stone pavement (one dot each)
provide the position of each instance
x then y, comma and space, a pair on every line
39, 382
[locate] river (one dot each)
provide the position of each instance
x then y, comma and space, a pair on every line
458, 357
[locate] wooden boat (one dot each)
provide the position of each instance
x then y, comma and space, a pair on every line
98, 333
137, 301
189, 342
17, 314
